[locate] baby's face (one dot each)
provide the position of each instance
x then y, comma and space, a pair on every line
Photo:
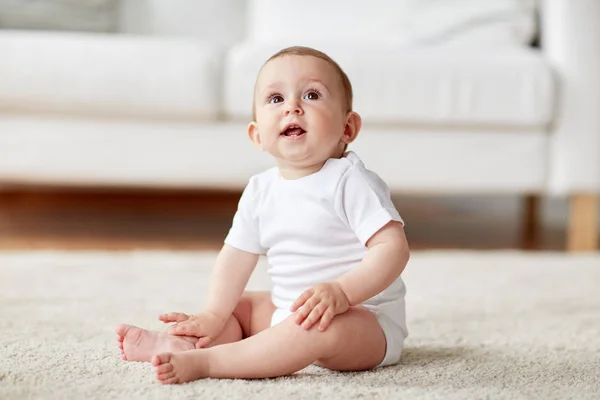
299, 114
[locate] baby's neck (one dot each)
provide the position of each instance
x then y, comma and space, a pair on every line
291, 172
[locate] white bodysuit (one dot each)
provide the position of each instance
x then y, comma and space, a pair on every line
315, 229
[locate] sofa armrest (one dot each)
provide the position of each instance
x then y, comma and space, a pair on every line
571, 42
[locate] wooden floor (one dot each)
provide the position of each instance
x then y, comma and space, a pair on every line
42, 219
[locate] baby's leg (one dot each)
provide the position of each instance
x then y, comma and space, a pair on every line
252, 314
354, 341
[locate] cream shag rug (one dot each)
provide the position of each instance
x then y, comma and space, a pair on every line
498, 325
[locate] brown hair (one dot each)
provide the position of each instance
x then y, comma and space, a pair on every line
307, 51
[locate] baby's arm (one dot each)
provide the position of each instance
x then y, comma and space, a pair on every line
385, 260
231, 273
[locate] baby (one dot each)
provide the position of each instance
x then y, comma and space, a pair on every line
334, 242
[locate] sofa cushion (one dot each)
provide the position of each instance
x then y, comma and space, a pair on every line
70, 15
108, 75
400, 85
220, 21
92, 152
95, 152
400, 22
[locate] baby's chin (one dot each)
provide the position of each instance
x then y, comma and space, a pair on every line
303, 157
298, 160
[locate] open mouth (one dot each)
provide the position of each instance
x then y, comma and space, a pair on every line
293, 131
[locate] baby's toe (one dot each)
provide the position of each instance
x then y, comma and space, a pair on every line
164, 368
170, 381
165, 377
161, 359
121, 329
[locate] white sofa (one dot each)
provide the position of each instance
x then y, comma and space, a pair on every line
453, 98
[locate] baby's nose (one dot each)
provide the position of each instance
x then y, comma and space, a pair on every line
293, 108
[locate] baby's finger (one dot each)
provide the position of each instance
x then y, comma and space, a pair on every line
302, 299
203, 342
184, 329
306, 309
173, 317
326, 319
174, 329
314, 316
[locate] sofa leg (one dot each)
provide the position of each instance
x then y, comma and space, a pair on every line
582, 230
531, 222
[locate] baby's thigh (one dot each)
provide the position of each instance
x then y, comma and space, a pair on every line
360, 344
254, 311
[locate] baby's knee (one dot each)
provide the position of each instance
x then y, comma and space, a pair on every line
244, 304
253, 312
232, 332
342, 324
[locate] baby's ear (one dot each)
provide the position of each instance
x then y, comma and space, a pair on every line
352, 127
254, 136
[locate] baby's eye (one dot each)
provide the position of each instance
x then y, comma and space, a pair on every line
275, 99
312, 95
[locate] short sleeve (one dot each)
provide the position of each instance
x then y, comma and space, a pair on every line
244, 232
364, 203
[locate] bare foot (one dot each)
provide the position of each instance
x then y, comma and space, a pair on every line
181, 367
137, 344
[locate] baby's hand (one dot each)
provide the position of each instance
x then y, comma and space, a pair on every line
173, 317
322, 302
205, 326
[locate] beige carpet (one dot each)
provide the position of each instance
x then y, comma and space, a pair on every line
498, 325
